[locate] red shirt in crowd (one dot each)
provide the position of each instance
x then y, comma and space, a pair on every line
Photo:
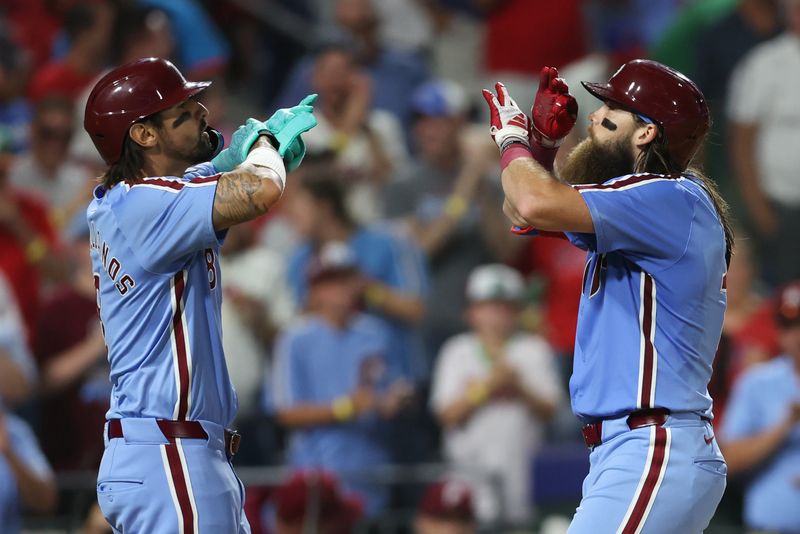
561, 265
58, 79
24, 277
71, 425
525, 35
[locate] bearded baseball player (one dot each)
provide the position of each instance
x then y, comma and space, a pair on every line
157, 222
653, 299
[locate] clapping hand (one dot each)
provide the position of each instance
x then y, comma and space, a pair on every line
554, 110
509, 124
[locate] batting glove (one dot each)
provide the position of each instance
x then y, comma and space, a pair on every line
287, 125
241, 142
509, 124
554, 110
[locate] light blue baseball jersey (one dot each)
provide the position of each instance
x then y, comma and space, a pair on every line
760, 401
317, 363
26, 448
653, 297
155, 260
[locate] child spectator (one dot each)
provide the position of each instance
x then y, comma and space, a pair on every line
330, 385
494, 388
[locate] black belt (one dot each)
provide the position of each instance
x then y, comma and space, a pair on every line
184, 430
593, 432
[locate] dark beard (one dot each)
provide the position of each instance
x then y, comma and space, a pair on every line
593, 163
203, 151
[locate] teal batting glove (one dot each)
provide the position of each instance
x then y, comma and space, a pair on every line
241, 142
287, 125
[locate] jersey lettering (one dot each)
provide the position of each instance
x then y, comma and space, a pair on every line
211, 265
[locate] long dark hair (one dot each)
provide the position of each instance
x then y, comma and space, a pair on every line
130, 165
654, 158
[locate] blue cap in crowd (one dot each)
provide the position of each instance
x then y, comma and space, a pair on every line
439, 98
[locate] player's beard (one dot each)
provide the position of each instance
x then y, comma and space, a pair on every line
591, 162
200, 153
203, 150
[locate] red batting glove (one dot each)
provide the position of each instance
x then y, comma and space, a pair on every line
554, 110
509, 124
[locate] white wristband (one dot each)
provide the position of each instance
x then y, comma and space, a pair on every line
266, 156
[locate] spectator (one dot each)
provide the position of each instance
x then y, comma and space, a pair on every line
34, 25
330, 382
312, 501
450, 205
726, 40
199, 58
15, 112
393, 281
72, 359
88, 27
494, 388
763, 112
17, 368
366, 142
140, 31
446, 508
26, 481
718, 49
393, 73
46, 170
27, 240
257, 304
762, 428
749, 334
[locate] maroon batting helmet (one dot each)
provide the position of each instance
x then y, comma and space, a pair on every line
665, 96
128, 94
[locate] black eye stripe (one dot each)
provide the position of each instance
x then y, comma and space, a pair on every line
181, 119
608, 125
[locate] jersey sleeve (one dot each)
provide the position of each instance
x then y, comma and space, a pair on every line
26, 447
200, 170
647, 219
12, 333
743, 416
166, 220
286, 388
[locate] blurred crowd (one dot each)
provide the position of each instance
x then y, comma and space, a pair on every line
384, 315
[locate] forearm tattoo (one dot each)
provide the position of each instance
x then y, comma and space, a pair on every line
240, 193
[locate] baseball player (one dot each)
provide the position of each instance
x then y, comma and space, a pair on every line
653, 298
156, 223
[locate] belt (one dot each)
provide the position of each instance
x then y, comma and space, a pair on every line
593, 432
182, 429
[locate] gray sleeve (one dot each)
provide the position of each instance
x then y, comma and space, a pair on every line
400, 198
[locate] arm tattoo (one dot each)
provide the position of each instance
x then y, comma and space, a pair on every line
244, 194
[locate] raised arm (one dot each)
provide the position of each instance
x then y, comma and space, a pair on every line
254, 166
533, 195
250, 189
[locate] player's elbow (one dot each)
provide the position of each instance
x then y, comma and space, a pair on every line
532, 209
